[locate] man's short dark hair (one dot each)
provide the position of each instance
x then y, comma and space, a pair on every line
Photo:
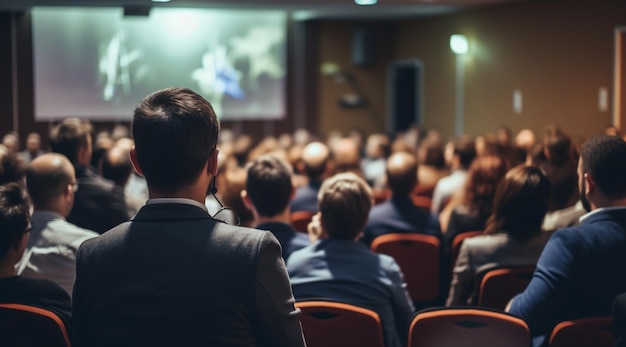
175, 131
69, 136
604, 158
465, 148
344, 201
14, 215
269, 185
116, 166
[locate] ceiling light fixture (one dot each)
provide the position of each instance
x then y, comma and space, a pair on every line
365, 2
161, 0
459, 44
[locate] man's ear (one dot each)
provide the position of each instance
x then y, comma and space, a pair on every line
591, 185
133, 159
212, 165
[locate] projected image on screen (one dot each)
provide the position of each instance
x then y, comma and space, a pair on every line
98, 64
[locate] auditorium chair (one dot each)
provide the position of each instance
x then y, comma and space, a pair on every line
300, 220
29, 326
592, 331
499, 286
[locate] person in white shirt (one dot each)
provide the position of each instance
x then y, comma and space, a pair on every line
53, 243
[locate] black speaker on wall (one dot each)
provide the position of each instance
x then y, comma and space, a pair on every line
363, 47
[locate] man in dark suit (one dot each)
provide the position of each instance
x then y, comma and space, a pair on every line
99, 204
173, 275
398, 214
317, 165
267, 194
581, 269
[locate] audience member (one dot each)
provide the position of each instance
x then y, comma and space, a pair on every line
398, 214
117, 167
581, 269
53, 244
431, 165
373, 165
14, 228
173, 275
268, 192
317, 165
99, 204
463, 155
11, 141
513, 236
346, 156
33, 148
526, 140
11, 168
341, 268
483, 179
230, 185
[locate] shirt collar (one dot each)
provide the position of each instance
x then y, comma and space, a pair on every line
601, 209
176, 201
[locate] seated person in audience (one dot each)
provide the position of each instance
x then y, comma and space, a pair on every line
99, 204
12, 169
347, 156
373, 165
526, 140
581, 269
53, 243
33, 148
432, 165
398, 214
513, 236
483, 179
317, 163
116, 166
14, 227
267, 194
339, 267
11, 142
463, 154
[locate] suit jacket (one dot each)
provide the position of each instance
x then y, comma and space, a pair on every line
305, 198
99, 204
174, 276
348, 271
290, 239
51, 249
399, 215
486, 252
579, 273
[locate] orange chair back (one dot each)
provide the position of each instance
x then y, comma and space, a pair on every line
422, 202
457, 242
467, 327
28, 326
593, 331
300, 220
381, 195
333, 324
419, 258
499, 286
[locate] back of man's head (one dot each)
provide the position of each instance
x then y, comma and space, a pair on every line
344, 201
401, 173
14, 215
116, 165
12, 169
315, 157
47, 179
175, 131
268, 185
69, 136
604, 158
558, 146
465, 149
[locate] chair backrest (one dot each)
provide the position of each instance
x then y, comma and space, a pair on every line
468, 327
419, 258
27, 326
422, 202
457, 242
499, 286
381, 195
593, 331
300, 220
334, 324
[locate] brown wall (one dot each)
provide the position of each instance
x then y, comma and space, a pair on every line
558, 56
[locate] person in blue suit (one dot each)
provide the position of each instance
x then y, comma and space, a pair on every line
398, 214
581, 269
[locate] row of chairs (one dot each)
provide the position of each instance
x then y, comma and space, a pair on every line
334, 324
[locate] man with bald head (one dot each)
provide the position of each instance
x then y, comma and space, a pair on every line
398, 214
317, 165
53, 243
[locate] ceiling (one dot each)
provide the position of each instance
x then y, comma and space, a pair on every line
302, 9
